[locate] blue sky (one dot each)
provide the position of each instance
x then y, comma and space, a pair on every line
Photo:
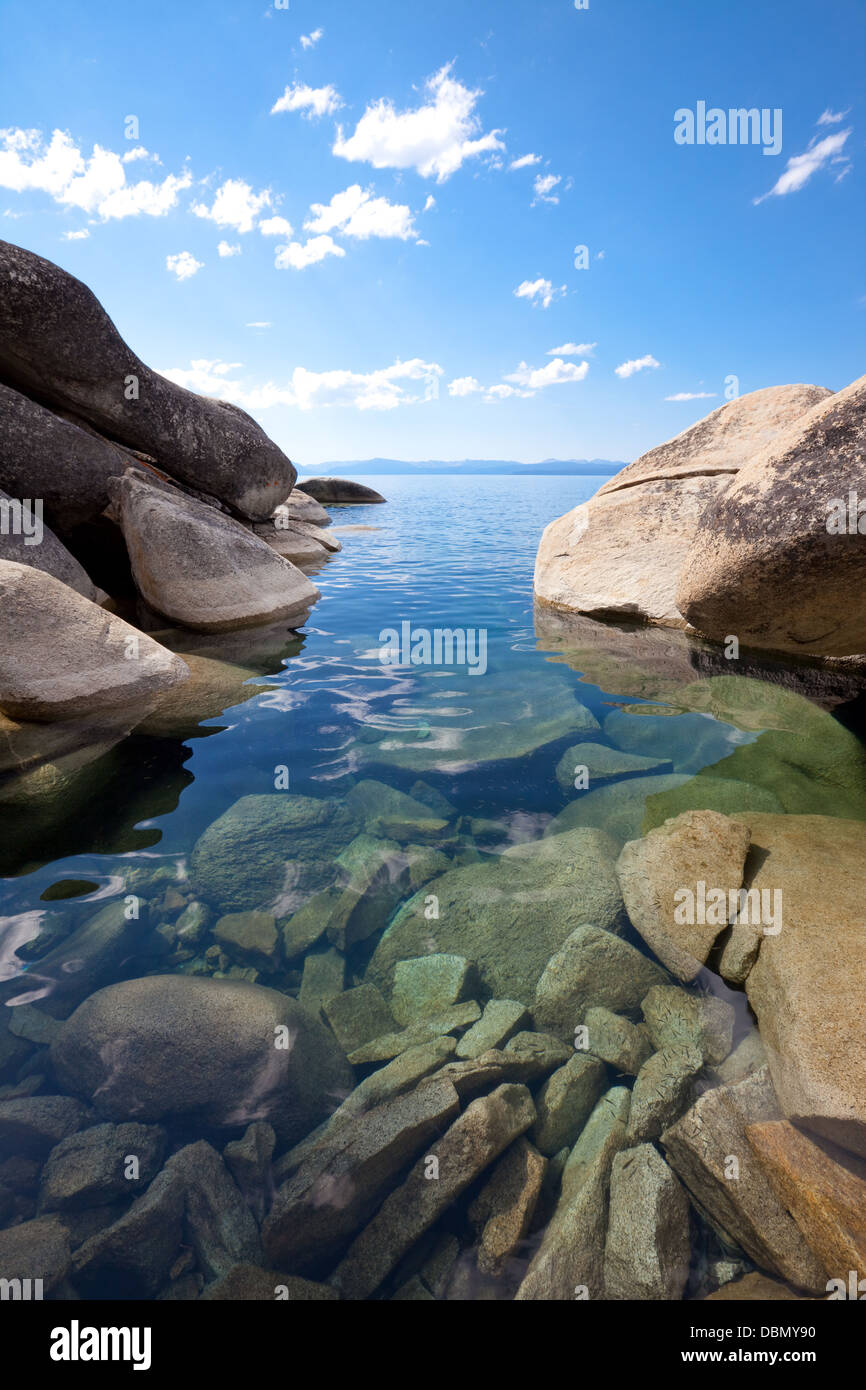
355, 162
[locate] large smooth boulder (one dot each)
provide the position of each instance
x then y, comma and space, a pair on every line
41, 549
62, 656
621, 553
338, 490
511, 916
766, 562
43, 455
299, 506
58, 344
200, 568
809, 983
215, 1053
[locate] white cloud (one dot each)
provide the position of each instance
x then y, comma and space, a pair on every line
259, 324
226, 249
96, 184
276, 226
310, 40
76, 236
829, 117
556, 373
539, 292
430, 203
637, 364
235, 205
544, 186
503, 393
464, 386
298, 257
525, 161
183, 265
801, 167
139, 152
573, 350
435, 139
385, 389
692, 396
311, 101
356, 212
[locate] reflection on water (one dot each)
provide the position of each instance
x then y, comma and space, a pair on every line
273, 818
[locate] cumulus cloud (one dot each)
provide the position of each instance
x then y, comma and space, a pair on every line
310, 40
637, 364
556, 373
357, 213
310, 101
82, 235
97, 185
544, 186
225, 248
139, 152
573, 350
464, 386
526, 161
692, 396
539, 292
276, 226
235, 205
403, 383
183, 265
295, 256
435, 139
801, 167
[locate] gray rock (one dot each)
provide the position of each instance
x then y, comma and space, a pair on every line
90, 956
593, 968
617, 1041
249, 937
428, 986
648, 1252
674, 1018
345, 1179
500, 1021
215, 1052
472, 1143
296, 541
569, 1263
358, 1016
62, 656
483, 909
299, 506
389, 1045
249, 1161
618, 810
132, 1258
604, 764
35, 1250
662, 1091
324, 977
31, 1126
60, 345
43, 550
503, 1210
218, 1224
43, 455
93, 1168
338, 490
527, 1058
270, 852
565, 1102
384, 811
748, 1056
711, 1155
246, 1283
201, 569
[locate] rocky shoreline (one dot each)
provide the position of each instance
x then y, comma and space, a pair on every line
365, 1046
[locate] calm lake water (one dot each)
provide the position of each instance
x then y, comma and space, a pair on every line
444, 553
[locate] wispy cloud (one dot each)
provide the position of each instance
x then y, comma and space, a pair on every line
800, 168
310, 40
403, 383
692, 396
435, 139
556, 373
544, 186
573, 350
310, 101
356, 212
526, 161
81, 235
828, 117
539, 292
637, 364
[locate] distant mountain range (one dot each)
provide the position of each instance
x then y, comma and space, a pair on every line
581, 468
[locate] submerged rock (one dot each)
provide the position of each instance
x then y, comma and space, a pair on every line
60, 345
503, 1210
35, 1250
648, 1252
603, 764
675, 1018
618, 809
593, 968
132, 1257
61, 656
483, 911
33, 1125
428, 986
662, 1091
92, 1168
565, 1102
201, 569
617, 1041
501, 1020
212, 1052
218, 1224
